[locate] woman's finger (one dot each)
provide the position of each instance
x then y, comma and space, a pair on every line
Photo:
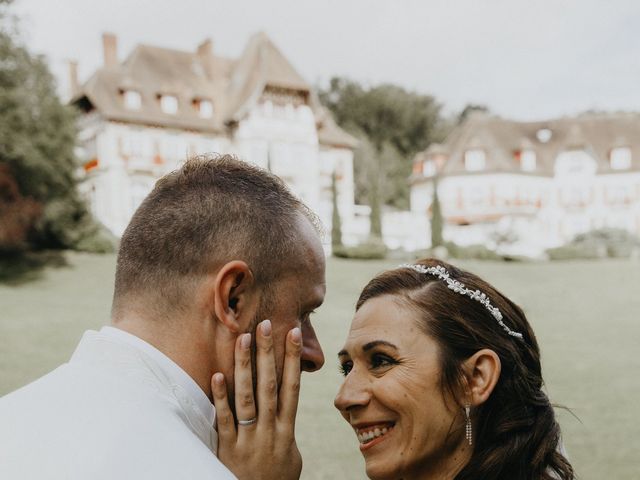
243, 381
267, 390
290, 388
224, 416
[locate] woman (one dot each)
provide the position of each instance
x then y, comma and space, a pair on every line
443, 381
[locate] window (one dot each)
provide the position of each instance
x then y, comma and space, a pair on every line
135, 144
474, 160
289, 111
544, 135
267, 108
429, 168
139, 190
169, 104
204, 107
173, 148
528, 160
132, 99
620, 158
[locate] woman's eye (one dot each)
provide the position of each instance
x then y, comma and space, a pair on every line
345, 368
379, 361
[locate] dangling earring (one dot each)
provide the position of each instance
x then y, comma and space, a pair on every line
468, 432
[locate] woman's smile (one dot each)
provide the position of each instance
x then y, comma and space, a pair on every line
372, 434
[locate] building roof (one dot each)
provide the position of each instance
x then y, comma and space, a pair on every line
232, 85
260, 65
501, 140
329, 133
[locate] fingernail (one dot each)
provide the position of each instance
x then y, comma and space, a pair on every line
218, 379
245, 341
265, 328
296, 335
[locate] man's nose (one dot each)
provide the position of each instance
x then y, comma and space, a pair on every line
312, 358
353, 393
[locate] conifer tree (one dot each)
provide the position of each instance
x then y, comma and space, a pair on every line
436, 218
336, 222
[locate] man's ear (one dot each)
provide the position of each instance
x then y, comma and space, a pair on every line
482, 371
234, 296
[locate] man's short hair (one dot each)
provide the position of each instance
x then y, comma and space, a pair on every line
212, 210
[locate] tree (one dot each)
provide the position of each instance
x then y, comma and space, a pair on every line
469, 109
336, 223
18, 214
396, 123
436, 218
37, 141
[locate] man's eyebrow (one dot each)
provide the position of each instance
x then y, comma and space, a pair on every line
369, 346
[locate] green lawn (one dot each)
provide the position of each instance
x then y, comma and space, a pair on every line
586, 316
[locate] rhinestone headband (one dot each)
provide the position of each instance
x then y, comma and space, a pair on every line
458, 287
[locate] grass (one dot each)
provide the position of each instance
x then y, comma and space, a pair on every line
584, 313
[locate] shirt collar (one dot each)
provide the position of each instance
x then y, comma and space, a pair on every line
169, 367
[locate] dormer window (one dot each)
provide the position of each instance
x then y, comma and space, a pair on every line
132, 99
204, 107
474, 160
544, 135
169, 104
528, 160
429, 168
620, 158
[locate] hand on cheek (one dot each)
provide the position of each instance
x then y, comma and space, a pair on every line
261, 438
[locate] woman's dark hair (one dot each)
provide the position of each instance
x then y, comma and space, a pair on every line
516, 436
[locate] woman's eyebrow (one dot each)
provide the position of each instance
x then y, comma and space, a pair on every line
368, 346
377, 343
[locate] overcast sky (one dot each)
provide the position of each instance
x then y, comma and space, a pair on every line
525, 59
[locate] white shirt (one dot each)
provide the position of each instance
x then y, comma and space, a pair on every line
119, 409
170, 368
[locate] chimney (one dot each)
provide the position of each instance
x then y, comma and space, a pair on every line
74, 87
205, 55
110, 49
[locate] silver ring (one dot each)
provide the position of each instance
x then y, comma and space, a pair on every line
244, 423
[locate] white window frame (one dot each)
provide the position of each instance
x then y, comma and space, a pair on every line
528, 160
620, 158
205, 108
475, 160
169, 104
132, 99
429, 168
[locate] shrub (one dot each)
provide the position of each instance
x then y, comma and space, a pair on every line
575, 252
373, 249
602, 243
98, 241
471, 252
18, 214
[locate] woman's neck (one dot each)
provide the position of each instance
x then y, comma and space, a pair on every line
446, 469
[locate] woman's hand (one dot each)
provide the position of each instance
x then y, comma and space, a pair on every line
265, 448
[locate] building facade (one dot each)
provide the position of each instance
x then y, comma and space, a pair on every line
523, 187
142, 117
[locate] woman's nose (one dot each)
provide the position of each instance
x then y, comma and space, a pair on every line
353, 393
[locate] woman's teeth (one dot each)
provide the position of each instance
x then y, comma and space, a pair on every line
365, 437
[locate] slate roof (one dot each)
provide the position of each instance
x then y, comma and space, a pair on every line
233, 86
597, 133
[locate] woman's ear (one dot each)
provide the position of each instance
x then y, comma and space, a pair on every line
234, 296
482, 373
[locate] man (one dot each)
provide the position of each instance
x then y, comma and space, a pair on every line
215, 248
